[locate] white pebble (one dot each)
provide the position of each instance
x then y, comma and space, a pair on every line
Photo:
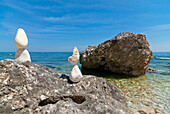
23, 56
21, 40
75, 75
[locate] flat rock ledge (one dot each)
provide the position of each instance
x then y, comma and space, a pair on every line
127, 53
36, 89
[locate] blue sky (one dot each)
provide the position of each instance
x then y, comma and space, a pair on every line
59, 25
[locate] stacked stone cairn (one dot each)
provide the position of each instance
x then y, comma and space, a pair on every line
21, 41
75, 75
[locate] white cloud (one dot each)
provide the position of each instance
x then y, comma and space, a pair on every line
56, 18
87, 18
159, 27
23, 7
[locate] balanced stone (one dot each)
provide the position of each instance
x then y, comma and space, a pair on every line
21, 40
75, 75
23, 56
75, 57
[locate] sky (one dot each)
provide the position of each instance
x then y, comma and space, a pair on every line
60, 25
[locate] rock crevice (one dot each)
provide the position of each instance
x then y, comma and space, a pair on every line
52, 100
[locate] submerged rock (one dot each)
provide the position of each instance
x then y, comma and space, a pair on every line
168, 64
152, 70
127, 53
38, 89
9, 53
147, 110
160, 57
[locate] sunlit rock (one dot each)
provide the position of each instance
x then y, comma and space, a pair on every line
40, 90
75, 57
23, 56
75, 75
127, 53
21, 40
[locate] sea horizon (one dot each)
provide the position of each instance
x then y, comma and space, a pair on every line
71, 51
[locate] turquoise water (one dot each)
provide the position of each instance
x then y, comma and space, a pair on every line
55, 60
159, 81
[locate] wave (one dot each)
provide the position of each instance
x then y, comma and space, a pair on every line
160, 57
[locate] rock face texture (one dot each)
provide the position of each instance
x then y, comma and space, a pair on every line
127, 53
36, 89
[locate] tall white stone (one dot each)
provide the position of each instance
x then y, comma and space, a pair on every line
21, 40
75, 57
75, 75
23, 56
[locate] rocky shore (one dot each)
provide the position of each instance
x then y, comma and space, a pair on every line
38, 89
138, 91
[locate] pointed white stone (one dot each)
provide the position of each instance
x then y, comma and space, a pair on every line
23, 56
21, 40
75, 57
75, 75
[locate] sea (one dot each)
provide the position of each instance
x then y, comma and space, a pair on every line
159, 82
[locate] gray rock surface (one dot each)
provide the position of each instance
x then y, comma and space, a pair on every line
36, 89
127, 53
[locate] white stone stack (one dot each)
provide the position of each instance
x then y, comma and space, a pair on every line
75, 75
21, 41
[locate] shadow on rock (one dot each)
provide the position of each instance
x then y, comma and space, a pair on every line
63, 76
106, 74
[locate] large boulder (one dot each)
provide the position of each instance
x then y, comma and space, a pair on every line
36, 89
127, 53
